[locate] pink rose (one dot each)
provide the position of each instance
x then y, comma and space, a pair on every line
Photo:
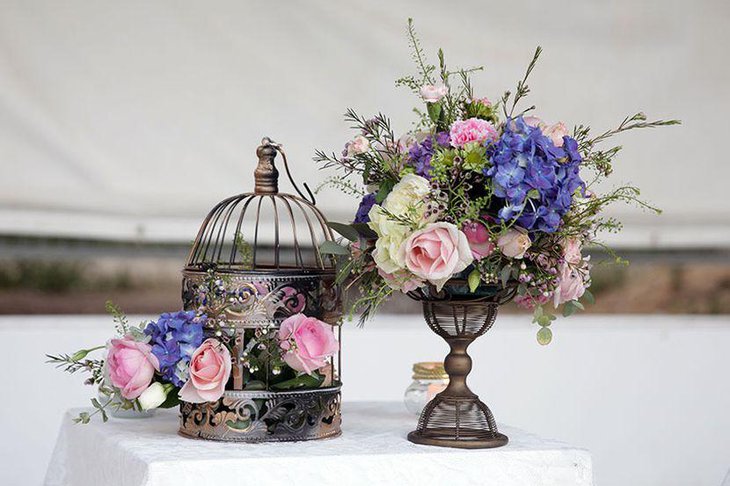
436, 252
570, 285
471, 130
556, 133
534, 121
433, 93
307, 342
478, 237
484, 101
210, 368
571, 251
529, 302
514, 243
131, 366
359, 145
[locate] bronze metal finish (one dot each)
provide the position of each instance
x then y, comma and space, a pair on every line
456, 417
254, 263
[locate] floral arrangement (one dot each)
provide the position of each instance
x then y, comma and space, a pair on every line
479, 192
187, 355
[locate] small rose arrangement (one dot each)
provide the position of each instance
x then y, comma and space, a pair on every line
186, 356
480, 194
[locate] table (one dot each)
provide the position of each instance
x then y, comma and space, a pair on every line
372, 450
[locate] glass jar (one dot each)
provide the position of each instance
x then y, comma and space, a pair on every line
429, 379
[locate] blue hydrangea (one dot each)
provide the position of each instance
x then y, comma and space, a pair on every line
420, 154
534, 179
174, 338
366, 204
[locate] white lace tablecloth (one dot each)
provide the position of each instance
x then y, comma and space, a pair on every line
372, 450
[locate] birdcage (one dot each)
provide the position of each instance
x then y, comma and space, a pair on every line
256, 270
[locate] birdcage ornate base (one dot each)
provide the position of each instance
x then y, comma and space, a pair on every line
263, 416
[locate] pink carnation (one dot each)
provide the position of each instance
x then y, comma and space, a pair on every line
471, 130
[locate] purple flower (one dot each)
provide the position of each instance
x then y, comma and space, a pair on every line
535, 178
174, 338
420, 154
363, 210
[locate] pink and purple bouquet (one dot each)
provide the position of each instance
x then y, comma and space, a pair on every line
480, 192
186, 356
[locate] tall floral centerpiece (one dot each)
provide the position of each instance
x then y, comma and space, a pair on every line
483, 203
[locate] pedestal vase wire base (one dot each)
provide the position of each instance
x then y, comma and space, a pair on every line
456, 417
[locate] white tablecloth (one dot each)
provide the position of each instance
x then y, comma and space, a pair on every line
372, 450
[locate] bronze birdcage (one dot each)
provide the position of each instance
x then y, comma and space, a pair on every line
254, 263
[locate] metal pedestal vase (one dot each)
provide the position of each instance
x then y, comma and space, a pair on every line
456, 417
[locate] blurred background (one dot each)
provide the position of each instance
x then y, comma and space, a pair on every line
122, 124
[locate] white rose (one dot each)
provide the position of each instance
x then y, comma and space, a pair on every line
409, 192
359, 145
433, 93
154, 396
514, 243
387, 253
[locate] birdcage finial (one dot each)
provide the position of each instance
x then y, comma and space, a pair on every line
266, 175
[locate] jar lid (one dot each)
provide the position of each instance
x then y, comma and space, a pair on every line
429, 370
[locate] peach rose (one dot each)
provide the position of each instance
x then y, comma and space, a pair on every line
571, 251
210, 368
556, 133
514, 243
570, 285
436, 252
131, 366
307, 342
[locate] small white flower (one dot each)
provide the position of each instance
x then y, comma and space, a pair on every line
154, 396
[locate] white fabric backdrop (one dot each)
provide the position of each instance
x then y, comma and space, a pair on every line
131, 119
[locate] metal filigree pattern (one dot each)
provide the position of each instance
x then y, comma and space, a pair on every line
255, 300
257, 416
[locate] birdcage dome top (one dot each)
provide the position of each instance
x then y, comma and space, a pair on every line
263, 230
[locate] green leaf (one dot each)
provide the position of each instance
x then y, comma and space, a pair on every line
345, 230
301, 381
172, 399
569, 309
365, 231
533, 194
385, 187
505, 274
332, 248
474, 278
544, 320
578, 305
434, 111
544, 336
588, 297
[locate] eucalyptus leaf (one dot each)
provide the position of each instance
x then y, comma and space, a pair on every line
345, 230
365, 231
504, 275
588, 297
474, 278
544, 336
332, 248
569, 309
